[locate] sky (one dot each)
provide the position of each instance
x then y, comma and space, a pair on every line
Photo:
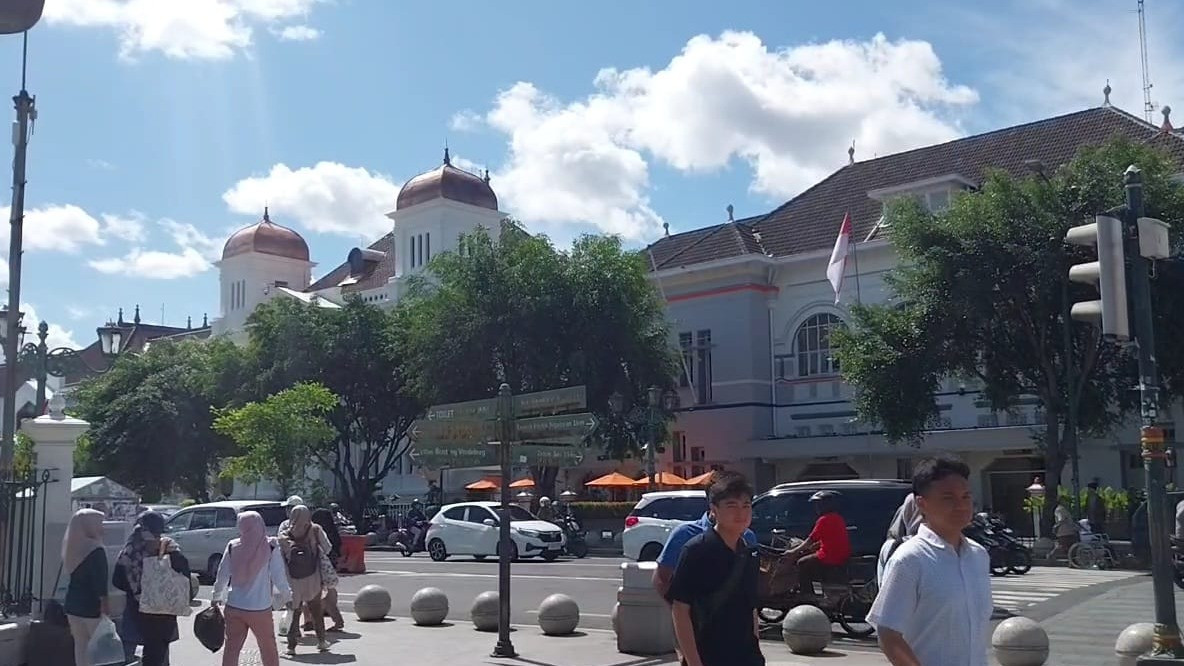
164, 125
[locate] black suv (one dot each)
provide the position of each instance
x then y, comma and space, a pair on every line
866, 505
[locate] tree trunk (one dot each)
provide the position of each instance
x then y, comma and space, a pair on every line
544, 481
1054, 463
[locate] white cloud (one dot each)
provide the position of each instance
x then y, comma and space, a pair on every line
181, 29
466, 121
297, 33
328, 197
56, 335
129, 227
194, 255
102, 165
188, 236
62, 228
77, 312
788, 113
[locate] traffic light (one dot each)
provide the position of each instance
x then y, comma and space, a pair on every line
1108, 274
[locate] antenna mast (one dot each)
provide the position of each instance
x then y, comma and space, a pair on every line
1148, 107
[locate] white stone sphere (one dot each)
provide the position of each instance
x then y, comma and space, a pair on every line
1020, 641
429, 607
1133, 642
806, 630
559, 615
372, 603
486, 611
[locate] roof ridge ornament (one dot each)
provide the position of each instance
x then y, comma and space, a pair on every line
1166, 128
1106, 93
851, 153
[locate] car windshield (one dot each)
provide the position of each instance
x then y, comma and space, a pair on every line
517, 514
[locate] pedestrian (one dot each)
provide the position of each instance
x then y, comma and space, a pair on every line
1066, 530
672, 550
904, 525
934, 607
303, 542
289, 504
85, 561
713, 593
153, 631
252, 568
828, 547
329, 560
1095, 508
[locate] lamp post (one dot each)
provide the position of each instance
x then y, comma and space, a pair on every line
651, 419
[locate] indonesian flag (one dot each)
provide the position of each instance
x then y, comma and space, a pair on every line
838, 258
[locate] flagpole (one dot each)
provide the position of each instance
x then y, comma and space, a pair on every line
855, 256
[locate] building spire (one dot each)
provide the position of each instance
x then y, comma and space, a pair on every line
447, 156
136, 318
205, 321
1106, 94
189, 323
266, 214
120, 320
486, 177
851, 153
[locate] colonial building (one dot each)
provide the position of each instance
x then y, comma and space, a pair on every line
752, 311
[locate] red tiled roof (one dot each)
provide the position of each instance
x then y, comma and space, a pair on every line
810, 221
375, 273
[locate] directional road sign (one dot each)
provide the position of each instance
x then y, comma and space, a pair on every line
459, 431
474, 409
565, 428
551, 402
440, 456
546, 456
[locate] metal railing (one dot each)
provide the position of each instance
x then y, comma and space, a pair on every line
22, 541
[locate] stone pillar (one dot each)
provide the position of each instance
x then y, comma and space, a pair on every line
55, 436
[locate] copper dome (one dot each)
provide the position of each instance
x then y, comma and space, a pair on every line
448, 182
266, 237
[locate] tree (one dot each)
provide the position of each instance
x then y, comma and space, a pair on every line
355, 352
151, 415
978, 294
277, 436
515, 310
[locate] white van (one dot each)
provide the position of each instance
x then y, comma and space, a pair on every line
203, 530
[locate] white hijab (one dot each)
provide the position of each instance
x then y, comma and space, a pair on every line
83, 536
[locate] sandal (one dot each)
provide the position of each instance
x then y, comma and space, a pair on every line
336, 629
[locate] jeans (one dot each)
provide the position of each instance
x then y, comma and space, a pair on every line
238, 623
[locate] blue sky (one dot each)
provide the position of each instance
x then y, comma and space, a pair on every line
166, 124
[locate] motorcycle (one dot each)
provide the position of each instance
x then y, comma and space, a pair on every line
577, 537
1007, 552
1178, 561
410, 540
1019, 555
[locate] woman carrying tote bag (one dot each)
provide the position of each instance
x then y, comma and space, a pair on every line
146, 551
84, 559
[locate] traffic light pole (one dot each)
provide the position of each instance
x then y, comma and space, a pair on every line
1166, 647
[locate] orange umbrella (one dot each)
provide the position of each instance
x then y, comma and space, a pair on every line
523, 483
484, 484
701, 480
613, 480
662, 479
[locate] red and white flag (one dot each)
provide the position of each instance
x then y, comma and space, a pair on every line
838, 258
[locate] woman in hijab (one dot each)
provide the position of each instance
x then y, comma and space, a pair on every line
85, 561
252, 566
304, 544
154, 632
323, 518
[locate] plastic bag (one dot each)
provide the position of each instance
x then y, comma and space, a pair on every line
105, 648
210, 628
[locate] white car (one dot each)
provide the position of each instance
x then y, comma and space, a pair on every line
655, 517
472, 528
203, 530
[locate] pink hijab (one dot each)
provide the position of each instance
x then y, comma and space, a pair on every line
250, 552
83, 535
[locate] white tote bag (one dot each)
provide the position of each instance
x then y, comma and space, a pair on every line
162, 590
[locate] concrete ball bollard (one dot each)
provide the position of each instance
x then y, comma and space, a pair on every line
559, 615
1134, 642
486, 611
371, 539
806, 630
372, 603
1020, 641
429, 607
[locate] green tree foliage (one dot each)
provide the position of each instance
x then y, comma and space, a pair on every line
978, 295
277, 436
357, 353
515, 310
150, 416
24, 456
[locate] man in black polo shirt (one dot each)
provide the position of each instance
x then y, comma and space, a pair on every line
713, 592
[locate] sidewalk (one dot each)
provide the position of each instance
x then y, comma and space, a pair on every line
383, 643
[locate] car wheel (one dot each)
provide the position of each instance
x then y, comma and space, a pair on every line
437, 551
650, 552
551, 555
212, 565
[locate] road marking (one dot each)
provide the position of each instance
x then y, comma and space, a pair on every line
437, 574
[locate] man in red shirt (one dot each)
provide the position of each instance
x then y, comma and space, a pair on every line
828, 547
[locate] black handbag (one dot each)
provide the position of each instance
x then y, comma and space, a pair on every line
210, 628
52, 611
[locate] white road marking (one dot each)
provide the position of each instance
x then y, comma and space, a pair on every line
451, 574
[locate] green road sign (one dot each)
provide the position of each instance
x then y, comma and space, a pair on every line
546, 456
451, 432
565, 428
474, 409
442, 456
551, 402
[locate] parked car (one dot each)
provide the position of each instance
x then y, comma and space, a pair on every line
165, 510
866, 505
472, 528
655, 516
203, 530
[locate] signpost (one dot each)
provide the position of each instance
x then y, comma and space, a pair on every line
486, 432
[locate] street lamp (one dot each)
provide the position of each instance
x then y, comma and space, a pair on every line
651, 419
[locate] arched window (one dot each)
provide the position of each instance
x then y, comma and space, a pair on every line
812, 345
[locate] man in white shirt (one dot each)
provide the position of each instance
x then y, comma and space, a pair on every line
934, 607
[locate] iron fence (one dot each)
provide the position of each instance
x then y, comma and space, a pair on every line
22, 539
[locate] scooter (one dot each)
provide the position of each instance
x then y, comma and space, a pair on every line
410, 540
577, 537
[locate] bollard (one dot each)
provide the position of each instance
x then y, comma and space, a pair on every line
559, 615
1133, 642
429, 607
642, 622
1020, 641
806, 630
486, 611
372, 603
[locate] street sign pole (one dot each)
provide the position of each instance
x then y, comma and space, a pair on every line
505, 436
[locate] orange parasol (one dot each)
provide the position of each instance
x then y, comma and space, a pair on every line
662, 479
614, 480
484, 484
523, 483
701, 480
